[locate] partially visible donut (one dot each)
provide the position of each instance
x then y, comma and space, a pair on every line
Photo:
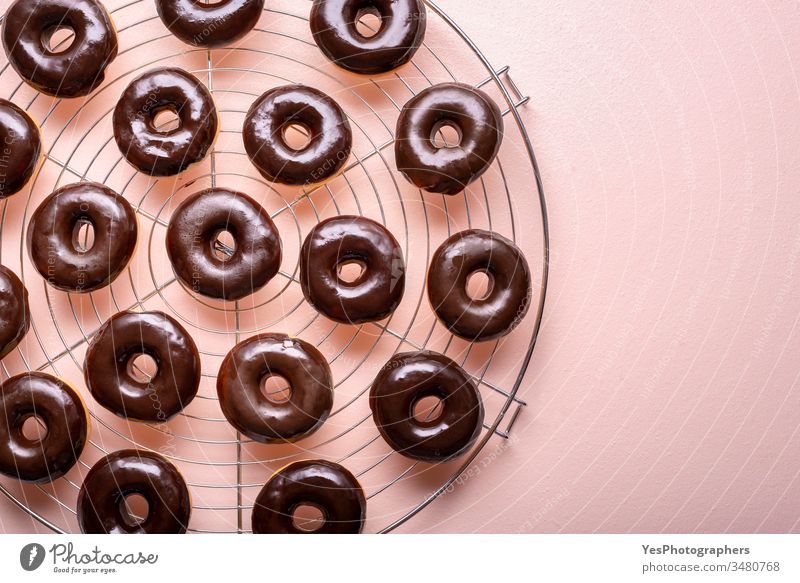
20, 148
209, 25
15, 313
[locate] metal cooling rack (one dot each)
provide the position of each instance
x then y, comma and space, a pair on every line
53, 505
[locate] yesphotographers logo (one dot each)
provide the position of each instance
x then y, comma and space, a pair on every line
31, 556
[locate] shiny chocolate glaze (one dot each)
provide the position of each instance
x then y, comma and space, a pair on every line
165, 153
59, 408
127, 472
406, 379
447, 170
109, 356
52, 242
330, 137
20, 147
328, 486
209, 25
509, 295
15, 313
73, 72
191, 236
402, 30
254, 414
334, 242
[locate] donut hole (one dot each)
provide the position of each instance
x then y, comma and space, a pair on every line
223, 245
34, 429
369, 22
427, 408
350, 271
276, 389
167, 120
142, 368
446, 134
308, 517
134, 508
296, 136
58, 39
480, 285
83, 236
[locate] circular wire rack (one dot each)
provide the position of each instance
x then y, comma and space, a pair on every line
224, 470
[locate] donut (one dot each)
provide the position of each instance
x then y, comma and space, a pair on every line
329, 487
256, 415
53, 242
407, 379
74, 71
343, 240
125, 473
447, 169
193, 230
20, 147
15, 313
330, 137
401, 32
209, 25
60, 410
111, 380
165, 152
509, 296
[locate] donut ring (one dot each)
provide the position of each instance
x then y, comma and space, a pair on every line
127, 472
328, 486
165, 153
74, 72
191, 237
447, 170
338, 241
403, 23
402, 383
15, 313
508, 300
209, 25
20, 147
60, 409
330, 136
55, 250
112, 350
257, 416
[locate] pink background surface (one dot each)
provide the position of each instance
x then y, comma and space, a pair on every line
663, 394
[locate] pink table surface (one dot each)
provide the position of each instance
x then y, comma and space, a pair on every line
663, 392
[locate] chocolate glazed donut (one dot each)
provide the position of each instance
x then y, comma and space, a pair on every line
239, 386
59, 408
407, 379
127, 472
109, 358
330, 138
53, 243
447, 170
509, 296
158, 152
73, 72
336, 242
329, 487
209, 25
402, 30
193, 231
15, 313
20, 146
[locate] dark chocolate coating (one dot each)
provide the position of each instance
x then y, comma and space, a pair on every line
508, 300
447, 170
412, 376
403, 23
77, 70
15, 313
193, 229
165, 153
51, 237
329, 146
251, 412
20, 146
328, 486
126, 335
209, 25
346, 239
128, 472
61, 410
